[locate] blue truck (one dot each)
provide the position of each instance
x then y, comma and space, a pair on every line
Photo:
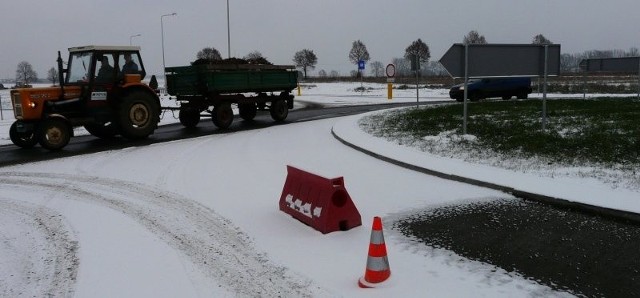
504, 88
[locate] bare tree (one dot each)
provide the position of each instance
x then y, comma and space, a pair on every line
419, 49
377, 69
209, 54
358, 52
52, 75
25, 73
322, 73
540, 39
306, 59
334, 74
474, 38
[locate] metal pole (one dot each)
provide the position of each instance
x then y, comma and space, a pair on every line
639, 78
163, 64
544, 88
417, 90
162, 32
228, 32
584, 84
466, 93
1, 115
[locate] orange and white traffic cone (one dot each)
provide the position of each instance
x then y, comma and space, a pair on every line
377, 269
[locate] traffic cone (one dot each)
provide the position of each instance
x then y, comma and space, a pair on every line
377, 269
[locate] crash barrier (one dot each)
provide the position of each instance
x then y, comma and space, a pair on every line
377, 270
323, 204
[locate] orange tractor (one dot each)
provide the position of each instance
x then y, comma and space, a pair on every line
101, 89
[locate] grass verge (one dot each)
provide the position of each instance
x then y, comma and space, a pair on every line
598, 133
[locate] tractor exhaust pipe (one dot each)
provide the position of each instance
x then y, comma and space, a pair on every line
60, 76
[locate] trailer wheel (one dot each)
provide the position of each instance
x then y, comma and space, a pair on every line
189, 117
54, 133
279, 110
22, 139
247, 111
103, 131
138, 115
222, 115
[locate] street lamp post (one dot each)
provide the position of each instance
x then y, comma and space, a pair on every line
131, 38
162, 32
228, 32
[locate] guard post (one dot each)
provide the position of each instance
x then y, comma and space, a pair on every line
391, 72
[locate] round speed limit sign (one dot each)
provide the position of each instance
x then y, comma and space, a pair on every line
391, 70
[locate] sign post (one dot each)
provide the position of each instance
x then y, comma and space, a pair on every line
415, 66
391, 72
360, 69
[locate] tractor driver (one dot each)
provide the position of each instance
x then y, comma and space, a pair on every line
129, 66
105, 73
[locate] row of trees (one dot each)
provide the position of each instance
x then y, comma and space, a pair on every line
418, 52
568, 62
25, 75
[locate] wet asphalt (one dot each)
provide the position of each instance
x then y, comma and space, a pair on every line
582, 253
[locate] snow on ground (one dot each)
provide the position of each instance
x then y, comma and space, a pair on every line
199, 217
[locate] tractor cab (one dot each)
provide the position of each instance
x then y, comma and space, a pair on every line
104, 66
101, 89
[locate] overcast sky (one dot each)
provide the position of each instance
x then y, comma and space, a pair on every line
34, 30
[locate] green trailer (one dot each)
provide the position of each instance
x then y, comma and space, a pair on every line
214, 88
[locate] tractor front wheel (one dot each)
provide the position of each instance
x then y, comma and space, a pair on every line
22, 139
54, 133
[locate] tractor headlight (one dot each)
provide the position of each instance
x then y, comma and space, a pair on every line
32, 104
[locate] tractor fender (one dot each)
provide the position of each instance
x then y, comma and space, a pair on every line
55, 115
127, 88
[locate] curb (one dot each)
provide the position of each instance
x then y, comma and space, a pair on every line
613, 214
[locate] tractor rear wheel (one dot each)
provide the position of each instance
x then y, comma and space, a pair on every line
138, 115
22, 139
222, 115
54, 133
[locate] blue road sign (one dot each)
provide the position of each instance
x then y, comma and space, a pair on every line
361, 65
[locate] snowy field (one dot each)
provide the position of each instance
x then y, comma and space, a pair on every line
199, 217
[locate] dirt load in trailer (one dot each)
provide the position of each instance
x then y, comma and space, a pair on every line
214, 88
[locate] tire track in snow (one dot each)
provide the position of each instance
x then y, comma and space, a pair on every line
44, 261
211, 242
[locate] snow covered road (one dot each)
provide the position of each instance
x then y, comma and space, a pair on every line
210, 243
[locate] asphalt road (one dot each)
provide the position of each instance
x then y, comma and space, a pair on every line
11, 154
